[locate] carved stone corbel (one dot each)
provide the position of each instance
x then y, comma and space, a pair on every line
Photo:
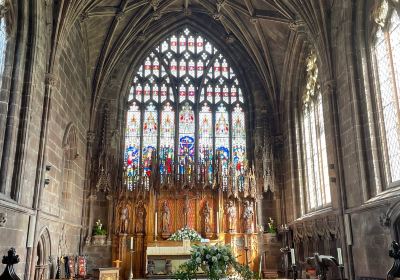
3, 219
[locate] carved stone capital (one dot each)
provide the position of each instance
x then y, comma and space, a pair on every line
141, 37
119, 15
296, 25
3, 219
154, 4
384, 220
51, 80
254, 20
229, 38
217, 16
84, 16
156, 15
90, 136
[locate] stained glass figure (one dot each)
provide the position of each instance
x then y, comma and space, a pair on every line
167, 139
186, 137
150, 131
132, 142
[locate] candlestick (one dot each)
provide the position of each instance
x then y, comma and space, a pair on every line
217, 222
340, 258
292, 256
131, 242
155, 227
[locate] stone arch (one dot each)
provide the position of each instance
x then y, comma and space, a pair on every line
42, 254
70, 155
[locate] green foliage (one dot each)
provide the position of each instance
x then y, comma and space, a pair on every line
98, 229
271, 227
185, 234
216, 262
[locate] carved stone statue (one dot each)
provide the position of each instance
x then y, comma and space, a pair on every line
124, 219
186, 209
165, 218
231, 216
206, 217
140, 218
248, 216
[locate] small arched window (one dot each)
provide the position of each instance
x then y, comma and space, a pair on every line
314, 155
386, 62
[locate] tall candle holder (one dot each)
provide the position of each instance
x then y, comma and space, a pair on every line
132, 250
246, 249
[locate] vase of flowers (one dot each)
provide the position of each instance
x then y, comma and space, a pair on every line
99, 234
185, 234
216, 261
271, 229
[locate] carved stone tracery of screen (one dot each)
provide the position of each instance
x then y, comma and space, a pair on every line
186, 120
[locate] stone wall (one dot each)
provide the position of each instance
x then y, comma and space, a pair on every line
354, 171
69, 108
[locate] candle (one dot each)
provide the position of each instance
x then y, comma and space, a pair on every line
155, 226
292, 256
339, 254
131, 242
217, 222
245, 240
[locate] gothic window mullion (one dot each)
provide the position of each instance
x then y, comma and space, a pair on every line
319, 119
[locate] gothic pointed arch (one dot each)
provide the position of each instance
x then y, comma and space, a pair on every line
70, 155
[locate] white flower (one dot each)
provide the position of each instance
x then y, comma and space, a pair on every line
208, 256
198, 260
214, 259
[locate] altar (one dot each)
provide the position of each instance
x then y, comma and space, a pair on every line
220, 208
163, 258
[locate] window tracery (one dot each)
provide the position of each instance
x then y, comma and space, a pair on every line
316, 179
188, 87
386, 62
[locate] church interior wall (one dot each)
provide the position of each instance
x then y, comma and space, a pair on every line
355, 165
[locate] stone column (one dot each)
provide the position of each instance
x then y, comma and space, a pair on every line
92, 198
110, 216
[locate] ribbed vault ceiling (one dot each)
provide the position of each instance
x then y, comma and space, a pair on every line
261, 27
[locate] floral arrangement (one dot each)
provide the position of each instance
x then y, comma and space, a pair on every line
216, 261
271, 227
185, 234
98, 229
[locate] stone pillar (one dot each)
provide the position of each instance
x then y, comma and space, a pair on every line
92, 198
109, 217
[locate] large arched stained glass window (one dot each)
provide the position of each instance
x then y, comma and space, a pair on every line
315, 161
192, 108
386, 51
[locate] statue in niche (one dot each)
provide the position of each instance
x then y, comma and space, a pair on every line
207, 219
248, 216
165, 218
186, 209
124, 219
140, 217
231, 216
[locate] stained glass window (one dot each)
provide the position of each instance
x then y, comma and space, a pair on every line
315, 162
386, 52
3, 44
192, 107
